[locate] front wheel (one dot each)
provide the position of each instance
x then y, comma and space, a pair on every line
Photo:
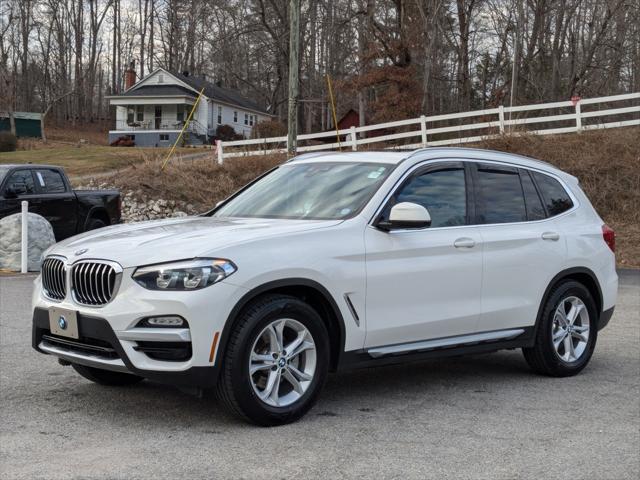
106, 377
567, 333
276, 361
94, 224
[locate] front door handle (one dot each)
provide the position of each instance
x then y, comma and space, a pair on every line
464, 242
551, 236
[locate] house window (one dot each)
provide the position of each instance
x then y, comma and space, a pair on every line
246, 119
219, 115
180, 113
164, 137
251, 120
160, 78
235, 117
135, 114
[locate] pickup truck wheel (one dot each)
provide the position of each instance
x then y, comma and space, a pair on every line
106, 377
567, 333
94, 224
276, 361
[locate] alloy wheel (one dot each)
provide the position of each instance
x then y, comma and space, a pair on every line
570, 329
282, 363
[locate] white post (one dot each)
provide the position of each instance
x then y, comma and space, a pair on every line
423, 130
25, 237
501, 118
354, 139
220, 152
578, 118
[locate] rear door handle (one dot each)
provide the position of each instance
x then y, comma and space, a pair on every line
464, 242
551, 236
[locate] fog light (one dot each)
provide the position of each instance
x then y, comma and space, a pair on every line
168, 321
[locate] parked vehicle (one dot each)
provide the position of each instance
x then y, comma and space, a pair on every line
49, 193
335, 261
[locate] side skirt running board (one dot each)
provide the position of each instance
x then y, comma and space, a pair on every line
457, 341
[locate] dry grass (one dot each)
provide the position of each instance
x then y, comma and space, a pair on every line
80, 160
606, 162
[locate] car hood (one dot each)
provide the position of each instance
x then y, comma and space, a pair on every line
158, 241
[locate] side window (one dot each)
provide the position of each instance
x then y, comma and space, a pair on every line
535, 210
556, 198
500, 196
50, 181
441, 192
21, 182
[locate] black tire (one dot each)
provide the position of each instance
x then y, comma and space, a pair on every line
235, 389
106, 377
542, 357
94, 224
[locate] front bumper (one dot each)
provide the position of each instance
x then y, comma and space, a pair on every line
110, 338
99, 347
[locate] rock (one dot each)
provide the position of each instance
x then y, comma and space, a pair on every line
179, 214
40, 238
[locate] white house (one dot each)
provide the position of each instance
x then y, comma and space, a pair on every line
152, 111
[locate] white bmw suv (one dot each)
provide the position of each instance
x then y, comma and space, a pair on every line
335, 261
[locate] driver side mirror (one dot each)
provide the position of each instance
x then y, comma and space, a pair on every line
12, 191
406, 215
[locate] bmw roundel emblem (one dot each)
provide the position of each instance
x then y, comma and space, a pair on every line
81, 251
62, 322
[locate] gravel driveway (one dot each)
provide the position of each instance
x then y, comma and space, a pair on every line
482, 417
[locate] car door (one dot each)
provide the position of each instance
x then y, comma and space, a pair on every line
425, 284
57, 202
18, 186
522, 247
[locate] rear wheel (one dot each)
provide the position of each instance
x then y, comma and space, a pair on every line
276, 361
567, 333
106, 377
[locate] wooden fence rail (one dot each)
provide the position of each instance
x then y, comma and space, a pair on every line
494, 122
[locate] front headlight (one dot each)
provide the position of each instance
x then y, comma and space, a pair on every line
185, 275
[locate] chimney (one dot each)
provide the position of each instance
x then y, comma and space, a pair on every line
130, 76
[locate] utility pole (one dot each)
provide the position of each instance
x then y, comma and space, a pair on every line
294, 51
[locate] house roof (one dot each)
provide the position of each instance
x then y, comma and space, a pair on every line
190, 85
22, 115
221, 94
157, 90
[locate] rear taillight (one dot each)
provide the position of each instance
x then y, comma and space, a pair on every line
609, 237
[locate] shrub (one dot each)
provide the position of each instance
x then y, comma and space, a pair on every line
8, 142
270, 128
226, 133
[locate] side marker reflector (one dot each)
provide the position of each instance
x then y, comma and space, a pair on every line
214, 344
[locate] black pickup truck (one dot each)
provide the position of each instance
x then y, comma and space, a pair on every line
49, 194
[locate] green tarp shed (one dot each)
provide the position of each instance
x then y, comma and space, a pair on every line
27, 124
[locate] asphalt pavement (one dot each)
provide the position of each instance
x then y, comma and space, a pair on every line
484, 417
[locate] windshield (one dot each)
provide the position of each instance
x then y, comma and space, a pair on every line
318, 191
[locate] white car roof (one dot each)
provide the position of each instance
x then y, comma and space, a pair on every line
430, 153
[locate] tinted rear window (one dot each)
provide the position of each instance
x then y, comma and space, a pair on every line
555, 197
500, 196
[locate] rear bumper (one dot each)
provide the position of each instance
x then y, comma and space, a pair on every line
99, 347
605, 316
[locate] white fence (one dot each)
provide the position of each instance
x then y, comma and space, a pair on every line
583, 114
